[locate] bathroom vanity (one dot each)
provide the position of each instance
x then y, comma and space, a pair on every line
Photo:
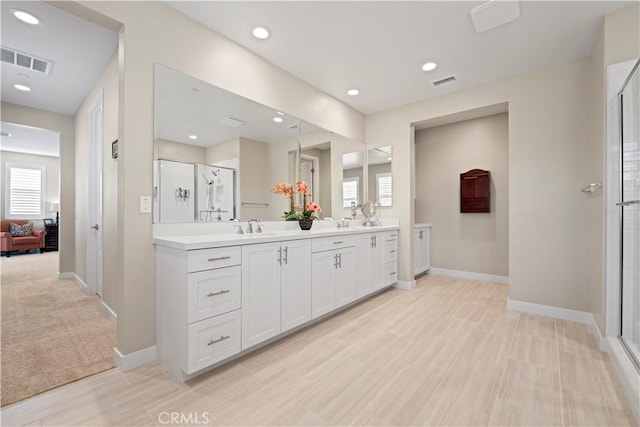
223, 295
421, 248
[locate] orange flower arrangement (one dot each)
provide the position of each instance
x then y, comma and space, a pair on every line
308, 210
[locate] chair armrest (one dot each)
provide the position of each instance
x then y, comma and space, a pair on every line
6, 243
5, 234
40, 235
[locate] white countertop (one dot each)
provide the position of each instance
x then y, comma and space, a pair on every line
213, 240
422, 225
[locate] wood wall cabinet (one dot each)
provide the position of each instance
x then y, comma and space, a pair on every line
475, 191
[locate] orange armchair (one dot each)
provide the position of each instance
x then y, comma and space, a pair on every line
10, 243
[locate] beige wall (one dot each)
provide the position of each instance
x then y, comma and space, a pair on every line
254, 179
548, 113
64, 124
108, 85
223, 151
52, 178
212, 59
477, 243
171, 150
618, 41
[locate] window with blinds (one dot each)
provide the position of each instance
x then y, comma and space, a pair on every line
383, 189
24, 192
349, 191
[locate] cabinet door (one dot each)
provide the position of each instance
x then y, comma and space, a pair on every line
417, 252
363, 283
261, 271
426, 249
376, 262
346, 276
296, 283
323, 286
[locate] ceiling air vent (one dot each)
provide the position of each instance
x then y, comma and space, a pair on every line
230, 121
25, 60
445, 81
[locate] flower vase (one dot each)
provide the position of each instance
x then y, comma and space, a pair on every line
305, 223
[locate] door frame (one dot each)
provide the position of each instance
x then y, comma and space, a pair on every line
94, 249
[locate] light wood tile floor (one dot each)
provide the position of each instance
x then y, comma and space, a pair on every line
448, 353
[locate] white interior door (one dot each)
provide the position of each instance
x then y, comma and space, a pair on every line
94, 196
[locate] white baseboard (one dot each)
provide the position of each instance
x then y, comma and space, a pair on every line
595, 331
127, 362
108, 312
550, 311
406, 285
80, 282
627, 374
469, 275
65, 276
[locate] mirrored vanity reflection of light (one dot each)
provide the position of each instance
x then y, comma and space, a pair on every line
200, 129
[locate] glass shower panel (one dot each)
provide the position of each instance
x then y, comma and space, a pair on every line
630, 214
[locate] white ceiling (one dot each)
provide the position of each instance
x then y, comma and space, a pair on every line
379, 47
29, 140
180, 111
80, 50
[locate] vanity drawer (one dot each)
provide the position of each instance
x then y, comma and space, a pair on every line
207, 259
213, 292
391, 238
390, 273
329, 243
390, 253
213, 340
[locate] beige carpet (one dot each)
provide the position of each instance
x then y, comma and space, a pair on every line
52, 332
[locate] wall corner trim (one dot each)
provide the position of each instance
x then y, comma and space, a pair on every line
406, 285
107, 311
470, 275
550, 311
127, 362
627, 374
80, 282
65, 276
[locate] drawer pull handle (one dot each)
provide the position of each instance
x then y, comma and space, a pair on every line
213, 294
393, 273
393, 252
222, 338
220, 258
337, 243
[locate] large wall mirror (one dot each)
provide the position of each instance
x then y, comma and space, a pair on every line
217, 155
380, 180
352, 178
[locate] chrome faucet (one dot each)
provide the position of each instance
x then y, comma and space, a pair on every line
254, 226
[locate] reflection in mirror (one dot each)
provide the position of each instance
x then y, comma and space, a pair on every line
253, 146
352, 178
380, 181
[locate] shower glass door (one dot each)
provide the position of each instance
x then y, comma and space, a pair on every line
630, 214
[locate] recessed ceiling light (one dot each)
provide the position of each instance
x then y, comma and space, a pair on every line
193, 136
389, 158
278, 119
261, 33
23, 88
25, 16
429, 66
353, 92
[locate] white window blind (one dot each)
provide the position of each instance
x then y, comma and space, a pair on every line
349, 191
384, 188
25, 191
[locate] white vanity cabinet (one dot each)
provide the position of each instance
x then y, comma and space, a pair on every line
198, 307
370, 253
333, 281
276, 289
390, 258
421, 249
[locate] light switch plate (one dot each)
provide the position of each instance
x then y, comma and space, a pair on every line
145, 204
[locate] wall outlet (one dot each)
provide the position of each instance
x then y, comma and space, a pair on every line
145, 204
